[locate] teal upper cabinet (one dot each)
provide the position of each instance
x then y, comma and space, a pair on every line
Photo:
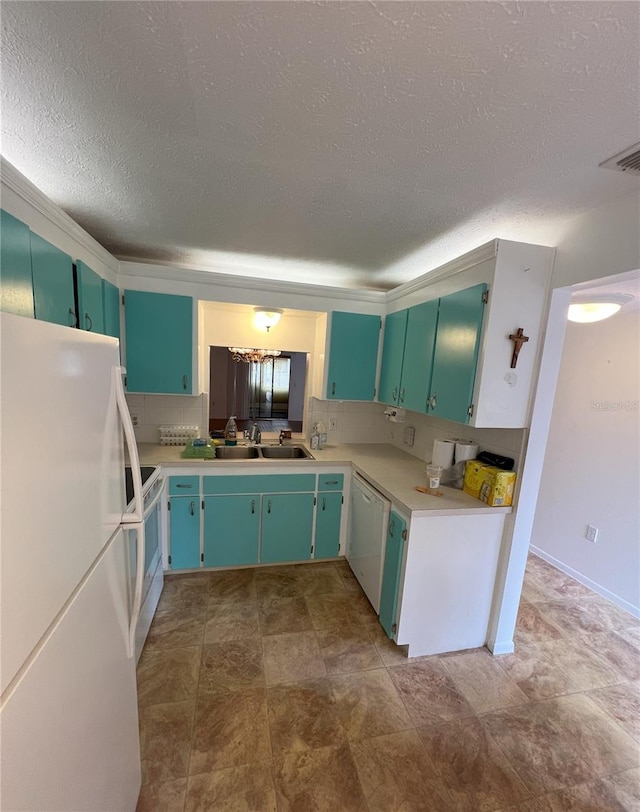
353, 356
159, 341
111, 309
395, 328
16, 286
53, 294
90, 312
418, 356
456, 353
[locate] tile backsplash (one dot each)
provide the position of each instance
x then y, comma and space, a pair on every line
362, 422
153, 411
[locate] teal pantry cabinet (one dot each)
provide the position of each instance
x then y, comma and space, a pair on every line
353, 356
53, 294
328, 515
392, 570
159, 342
456, 353
16, 286
184, 522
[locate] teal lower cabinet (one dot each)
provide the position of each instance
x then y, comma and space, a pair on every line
231, 530
287, 527
328, 518
184, 532
394, 552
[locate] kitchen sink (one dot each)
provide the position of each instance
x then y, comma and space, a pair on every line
236, 452
285, 452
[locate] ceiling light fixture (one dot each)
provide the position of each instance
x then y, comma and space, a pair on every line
585, 308
247, 355
265, 318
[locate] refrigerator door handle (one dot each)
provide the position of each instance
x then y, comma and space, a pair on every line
136, 516
134, 520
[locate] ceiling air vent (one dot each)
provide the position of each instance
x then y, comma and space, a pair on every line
626, 161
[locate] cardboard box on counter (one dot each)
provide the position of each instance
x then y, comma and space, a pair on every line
489, 484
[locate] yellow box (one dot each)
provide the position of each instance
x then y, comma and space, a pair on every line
489, 484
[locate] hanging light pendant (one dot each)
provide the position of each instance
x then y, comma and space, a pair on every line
248, 356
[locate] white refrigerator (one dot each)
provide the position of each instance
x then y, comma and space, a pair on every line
68, 709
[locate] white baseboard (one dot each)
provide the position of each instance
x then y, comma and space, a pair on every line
506, 647
578, 576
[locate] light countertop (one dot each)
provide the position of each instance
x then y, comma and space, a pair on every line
391, 471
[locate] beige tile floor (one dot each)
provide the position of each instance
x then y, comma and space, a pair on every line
276, 689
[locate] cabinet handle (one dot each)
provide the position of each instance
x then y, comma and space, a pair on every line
402, 395
268, 505
253, 505
74, 318
394, 394
324, 502
333, 388
184, 486
391, 525
434, 401
331, 482
192, 509
88, 322
184, 382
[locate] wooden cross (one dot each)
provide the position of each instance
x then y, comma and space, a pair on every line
518, 338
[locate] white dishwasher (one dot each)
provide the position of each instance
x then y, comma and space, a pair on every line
368, 520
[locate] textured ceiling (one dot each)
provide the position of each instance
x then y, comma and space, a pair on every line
343, 136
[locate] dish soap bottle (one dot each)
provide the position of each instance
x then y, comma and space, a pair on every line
231, 432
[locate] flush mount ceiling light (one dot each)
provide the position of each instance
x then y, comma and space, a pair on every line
247, 355
265, 318
585, 308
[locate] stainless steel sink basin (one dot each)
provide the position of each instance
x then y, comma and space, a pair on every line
236, 452
285, 452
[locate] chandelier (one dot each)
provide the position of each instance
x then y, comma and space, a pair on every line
248, 356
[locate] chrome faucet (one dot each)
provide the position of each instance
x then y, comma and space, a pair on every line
281, 438
256, 434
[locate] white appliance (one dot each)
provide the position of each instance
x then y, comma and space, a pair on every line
68, 709
153, 575
369, 518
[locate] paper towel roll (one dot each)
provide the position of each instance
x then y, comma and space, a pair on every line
466, 450
443, 453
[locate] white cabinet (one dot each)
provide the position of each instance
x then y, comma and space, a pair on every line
447, 582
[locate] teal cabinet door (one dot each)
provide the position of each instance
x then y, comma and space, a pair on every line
328, 516
53, 295
90, 312
418, 356
353, 356
16, 287
159, 342
395, 328
456, 353
393, 556
111, 309
287, 525
184, 532
231, 530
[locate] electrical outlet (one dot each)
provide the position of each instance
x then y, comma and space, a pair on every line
591, 533
134, 420
409, 435
333, 424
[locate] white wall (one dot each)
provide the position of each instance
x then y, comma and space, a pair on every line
591, 473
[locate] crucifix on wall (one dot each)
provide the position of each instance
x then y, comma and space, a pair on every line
518, 338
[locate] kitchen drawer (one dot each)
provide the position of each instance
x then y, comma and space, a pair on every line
259, 483
184, 485
330, 482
